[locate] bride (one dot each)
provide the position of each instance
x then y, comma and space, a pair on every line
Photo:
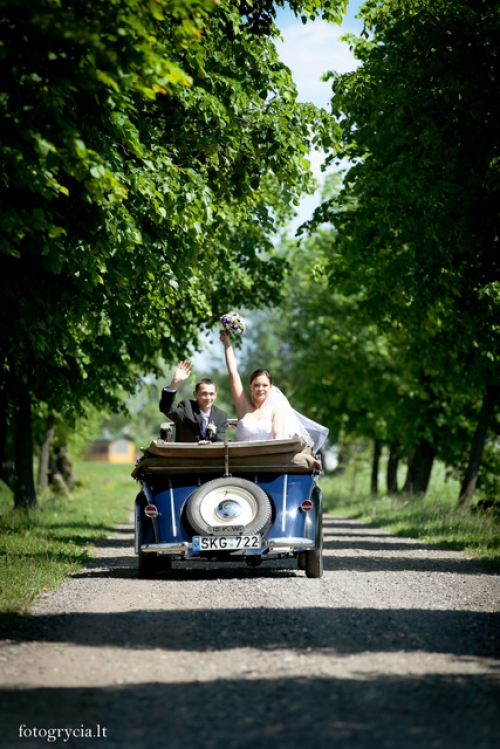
257, 419
268, 415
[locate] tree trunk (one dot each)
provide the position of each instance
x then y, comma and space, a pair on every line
7, 470
420, 468
476, 451
24, 490
65, 466
342, 462
43, 465
377, 451
3, 430
56, 479
392, 469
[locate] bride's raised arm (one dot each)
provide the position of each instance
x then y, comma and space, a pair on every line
240, 398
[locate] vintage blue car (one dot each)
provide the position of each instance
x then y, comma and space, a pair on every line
234, 501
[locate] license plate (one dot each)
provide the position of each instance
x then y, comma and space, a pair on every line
222, 543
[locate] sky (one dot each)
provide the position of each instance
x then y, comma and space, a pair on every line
310, 50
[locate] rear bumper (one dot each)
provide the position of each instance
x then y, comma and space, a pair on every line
291, 542
285, 544
179, 547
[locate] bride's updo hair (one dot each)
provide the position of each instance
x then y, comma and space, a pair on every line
259, 372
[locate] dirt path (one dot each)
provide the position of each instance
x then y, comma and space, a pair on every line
397, 646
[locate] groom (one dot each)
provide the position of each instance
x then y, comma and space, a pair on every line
195, 420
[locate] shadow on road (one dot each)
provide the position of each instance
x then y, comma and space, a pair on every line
283, 713
339, 631
368, 710
340, 537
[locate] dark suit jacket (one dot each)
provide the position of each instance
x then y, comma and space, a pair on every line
189, 421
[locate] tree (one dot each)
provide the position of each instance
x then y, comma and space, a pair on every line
364, 381
143, 146
478, 442
333, 366
417, 221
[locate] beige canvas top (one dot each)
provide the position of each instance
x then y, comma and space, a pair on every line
266, 456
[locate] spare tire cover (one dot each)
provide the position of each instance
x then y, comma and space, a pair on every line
229, 502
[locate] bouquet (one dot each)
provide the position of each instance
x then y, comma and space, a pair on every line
233, 322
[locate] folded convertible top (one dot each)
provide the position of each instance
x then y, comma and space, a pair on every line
266, 456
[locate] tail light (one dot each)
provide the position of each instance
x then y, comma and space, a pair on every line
151, 511
306, 505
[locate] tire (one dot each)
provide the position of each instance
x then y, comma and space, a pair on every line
163, 563
301, 560
314, 563
147, 567
313, 560
230, 502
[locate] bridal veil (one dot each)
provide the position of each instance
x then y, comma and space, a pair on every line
296, 424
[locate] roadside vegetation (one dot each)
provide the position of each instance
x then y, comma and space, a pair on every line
434, 518
41, 547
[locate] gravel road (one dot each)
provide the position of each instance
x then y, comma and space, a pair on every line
396, 646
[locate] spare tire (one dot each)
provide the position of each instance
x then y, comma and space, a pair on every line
229, 502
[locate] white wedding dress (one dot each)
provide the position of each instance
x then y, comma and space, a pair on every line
253, 430
295, 424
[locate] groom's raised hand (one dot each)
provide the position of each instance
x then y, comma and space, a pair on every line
181, 374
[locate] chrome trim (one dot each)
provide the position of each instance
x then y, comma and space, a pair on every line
290, 542
285, 497
179, 547
172, 507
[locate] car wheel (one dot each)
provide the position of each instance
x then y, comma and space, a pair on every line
301, 560
314, 563
147, 568
229, 502
163, 563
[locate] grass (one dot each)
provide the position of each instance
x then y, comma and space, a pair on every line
434, 519
39, 548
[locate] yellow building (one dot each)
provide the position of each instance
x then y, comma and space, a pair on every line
119, 450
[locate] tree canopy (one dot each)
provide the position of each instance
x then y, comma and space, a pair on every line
417, 221
149, 150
